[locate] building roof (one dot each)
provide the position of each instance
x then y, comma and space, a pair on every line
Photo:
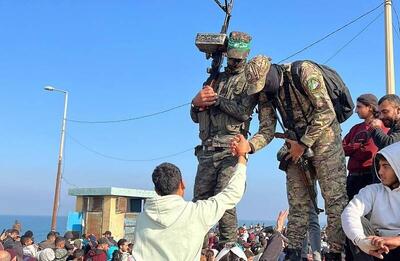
112, 191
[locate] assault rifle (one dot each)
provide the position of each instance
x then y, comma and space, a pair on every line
214, 45
306, 169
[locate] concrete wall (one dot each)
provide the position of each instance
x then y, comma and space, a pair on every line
79, 204
112, 221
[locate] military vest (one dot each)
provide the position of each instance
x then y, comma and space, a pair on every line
216, 126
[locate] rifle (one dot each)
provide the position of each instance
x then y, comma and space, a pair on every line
214, 45
306, 171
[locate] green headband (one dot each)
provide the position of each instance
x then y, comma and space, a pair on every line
238, 44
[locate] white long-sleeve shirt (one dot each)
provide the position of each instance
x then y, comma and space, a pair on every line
171, 228
382, 202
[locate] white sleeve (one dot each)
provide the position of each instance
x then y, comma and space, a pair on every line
358, 207
212, 209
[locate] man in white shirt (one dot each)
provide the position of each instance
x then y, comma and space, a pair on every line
171, 228
381, 203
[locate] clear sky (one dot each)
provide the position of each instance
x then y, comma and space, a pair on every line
122, 59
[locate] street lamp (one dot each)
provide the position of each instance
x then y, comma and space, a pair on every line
56, 201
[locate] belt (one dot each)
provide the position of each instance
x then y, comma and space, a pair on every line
210, 148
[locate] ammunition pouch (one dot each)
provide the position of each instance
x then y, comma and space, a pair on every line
281, 157
204, 124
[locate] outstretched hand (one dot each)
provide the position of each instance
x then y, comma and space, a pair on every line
280, 221
384, 245
239, 145
367, 247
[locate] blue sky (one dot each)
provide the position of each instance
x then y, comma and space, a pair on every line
122, 59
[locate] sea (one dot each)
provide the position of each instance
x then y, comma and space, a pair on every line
40, 225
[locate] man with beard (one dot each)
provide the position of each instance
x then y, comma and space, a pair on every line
359, 146
389, 114
222, 109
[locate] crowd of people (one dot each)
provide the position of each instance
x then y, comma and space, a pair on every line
309, 101
14, 247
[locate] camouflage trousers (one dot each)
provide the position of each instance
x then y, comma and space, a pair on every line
330, 172
214, 172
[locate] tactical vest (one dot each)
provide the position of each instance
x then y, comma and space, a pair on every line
216, 126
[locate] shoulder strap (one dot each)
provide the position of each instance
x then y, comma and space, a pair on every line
295, 72
288, 106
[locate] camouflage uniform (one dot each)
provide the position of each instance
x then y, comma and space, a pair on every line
230, 115
320, 132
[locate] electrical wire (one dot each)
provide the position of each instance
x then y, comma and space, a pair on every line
331, 33
132, 118
185, 104
396, 29
128, 160
352, 39
69, 183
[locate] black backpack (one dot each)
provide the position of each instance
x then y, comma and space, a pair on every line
337, 89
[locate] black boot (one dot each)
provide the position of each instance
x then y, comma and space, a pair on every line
333, 257
293, 254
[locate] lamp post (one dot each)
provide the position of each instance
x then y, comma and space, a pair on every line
56, 201
389, 53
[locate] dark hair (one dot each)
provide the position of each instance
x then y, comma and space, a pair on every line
391, 98
58, 240
248, 253
51, 234
230, 256
121, 242
380, 157
377, 159
166, 178
209, 255
24, 239
14, 231
78, 253
371, 101
28, 233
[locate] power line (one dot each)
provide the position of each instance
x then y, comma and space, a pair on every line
332, 33
128, 160
185, 104
396, 30
69, 183
352, 39
132, 118
398, 21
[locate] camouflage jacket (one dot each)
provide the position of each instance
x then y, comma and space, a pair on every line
319, 123
230, 115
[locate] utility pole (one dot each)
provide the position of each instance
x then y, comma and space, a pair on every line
56, 202
389, 54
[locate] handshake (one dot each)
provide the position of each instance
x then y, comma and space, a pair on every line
376, 246
239, 146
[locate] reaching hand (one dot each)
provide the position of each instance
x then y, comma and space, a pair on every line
389, 242
205, 97
3, 236
366, 246
280, 222
239, 145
